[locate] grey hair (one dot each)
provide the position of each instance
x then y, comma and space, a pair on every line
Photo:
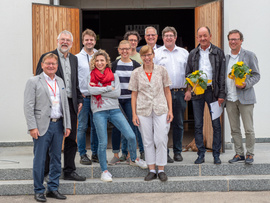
149, 27
66, 33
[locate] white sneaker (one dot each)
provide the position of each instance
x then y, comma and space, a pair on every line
106, 176
141, 163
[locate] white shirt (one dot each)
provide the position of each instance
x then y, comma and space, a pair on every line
84, 70
230, 84
53, 88
175, 62
205, 65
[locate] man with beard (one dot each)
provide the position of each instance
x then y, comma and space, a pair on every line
68, 71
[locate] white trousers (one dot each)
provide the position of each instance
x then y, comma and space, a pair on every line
154, 130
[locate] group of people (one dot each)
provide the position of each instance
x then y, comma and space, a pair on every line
141, 93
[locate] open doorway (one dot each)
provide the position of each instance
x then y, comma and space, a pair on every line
111, 25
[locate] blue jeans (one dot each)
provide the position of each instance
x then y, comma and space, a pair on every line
198, 111
116, 134
179, 106
116, 117
83, 119
52, 141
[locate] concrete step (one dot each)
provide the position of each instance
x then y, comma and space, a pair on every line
172, 170
138, 185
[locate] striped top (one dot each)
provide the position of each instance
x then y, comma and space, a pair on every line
124, 70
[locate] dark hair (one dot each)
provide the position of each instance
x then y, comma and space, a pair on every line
236, 31
134, 32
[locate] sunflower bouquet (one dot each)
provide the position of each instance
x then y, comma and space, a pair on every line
239, 72
197, 81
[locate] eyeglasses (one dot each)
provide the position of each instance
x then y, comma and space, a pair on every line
133, 40
169, 36
53, 64
124, 49
63, 40
146, 55
150, 35
234, 39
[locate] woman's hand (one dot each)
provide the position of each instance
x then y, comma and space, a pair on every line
135, 120
169, 117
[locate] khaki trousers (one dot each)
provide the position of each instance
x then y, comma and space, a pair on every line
235, 110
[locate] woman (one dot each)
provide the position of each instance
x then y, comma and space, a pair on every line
123, 67
104, 87
151, 103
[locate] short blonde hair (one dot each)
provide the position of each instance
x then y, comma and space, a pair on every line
145, 49
50, 55
100, 52
124, 42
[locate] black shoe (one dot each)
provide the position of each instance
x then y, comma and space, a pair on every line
74, 176
55, 194
237, 158
199, 160
95, 158
169, 159
150, 176
217, 160
178, 157
40, 197
162, 176
249, 159
85, 160
142, 156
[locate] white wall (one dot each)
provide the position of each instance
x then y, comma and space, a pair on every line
15, 66
252, 19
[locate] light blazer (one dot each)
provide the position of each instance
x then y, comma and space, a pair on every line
37, 104
247, 95
76, 94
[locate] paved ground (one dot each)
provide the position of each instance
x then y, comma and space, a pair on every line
187, 197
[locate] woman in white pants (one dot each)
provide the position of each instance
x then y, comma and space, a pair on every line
151, 104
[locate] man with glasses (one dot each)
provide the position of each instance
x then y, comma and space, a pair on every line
211, 60
68, 71
150, 37
240, 99
84, 58
174, 59
134, 38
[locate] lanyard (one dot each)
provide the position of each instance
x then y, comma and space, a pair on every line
54, 92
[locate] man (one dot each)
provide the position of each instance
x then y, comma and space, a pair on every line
240, 99
84, 58
67, 70
211, 60
150, 37
47, 114
174, 59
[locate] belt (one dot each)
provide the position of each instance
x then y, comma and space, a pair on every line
89, 97
209, 87
177, 89
55, 119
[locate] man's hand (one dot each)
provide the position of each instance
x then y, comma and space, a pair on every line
220, 101
34, 133
66, 134
169, 117
79, 107
241, 86
187, 95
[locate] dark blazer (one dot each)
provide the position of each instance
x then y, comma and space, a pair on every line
76, 94
139, 48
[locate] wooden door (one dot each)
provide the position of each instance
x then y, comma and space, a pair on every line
47, 22
210, 15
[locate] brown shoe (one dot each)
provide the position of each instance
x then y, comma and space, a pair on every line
162, 176
150, 176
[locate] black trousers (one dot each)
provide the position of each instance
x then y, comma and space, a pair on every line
70, 145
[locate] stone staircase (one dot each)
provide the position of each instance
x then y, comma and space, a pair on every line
183, 176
